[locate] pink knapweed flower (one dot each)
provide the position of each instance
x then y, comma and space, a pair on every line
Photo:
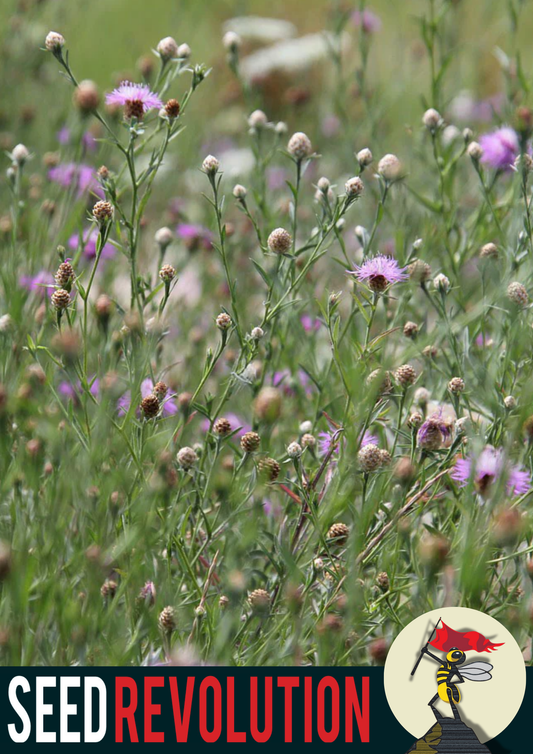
194, 236
137, 99
500, 148
87, 239
368, 21
310, 324
123, 404
379, 272
40, 283
78, 175
487, 468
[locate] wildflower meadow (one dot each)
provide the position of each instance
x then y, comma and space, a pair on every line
265, 327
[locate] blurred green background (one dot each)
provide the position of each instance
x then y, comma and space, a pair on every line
106, 38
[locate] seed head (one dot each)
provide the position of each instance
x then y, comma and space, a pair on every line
239, 192
172, 108
222, 427
441, 283
150, 406
339, 532
60, 299
415, 420
87, 96
231, 41
432, 119
382, 580
167, 620
308, 440
147, 594
381, 377
160, 390
378, 650
364, 158
108, 589
474, 151
456, 385
103, 172
167, 273
223, 321
369, 457
268, 404
299, 146
20, 154
410, 330
390, 167
419, 271
103, 306
65, 275
386, 458
405, 375
259, 601
433, 550
489, 251
187, 457
294, 450
103, 212
164, 237
269, 469
405, 470
279, 241
54, 41
167, 48
354, 187
257, 119
518, 294
210, 165
250, 442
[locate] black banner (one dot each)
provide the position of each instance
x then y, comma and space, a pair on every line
201, 705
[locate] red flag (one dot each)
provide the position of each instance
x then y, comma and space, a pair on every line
447, 638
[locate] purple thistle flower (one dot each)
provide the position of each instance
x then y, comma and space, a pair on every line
487, 468
273, 510
368, 21
326, 441
38, 283
147, 386
369, 439
379, 272
137, 99
194, 236
79, 175
72, 392
87, 139
500, 148
310, 324
87, 239
287, 382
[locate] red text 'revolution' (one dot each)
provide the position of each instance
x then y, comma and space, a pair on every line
329, 709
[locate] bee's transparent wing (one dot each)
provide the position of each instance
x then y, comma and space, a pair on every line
477, 671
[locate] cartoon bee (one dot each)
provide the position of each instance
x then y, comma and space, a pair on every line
449, 674
448, 669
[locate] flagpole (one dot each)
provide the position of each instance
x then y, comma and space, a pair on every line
413, 671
